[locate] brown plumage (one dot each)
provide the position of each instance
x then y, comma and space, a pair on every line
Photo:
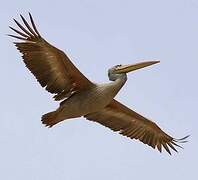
51, 67
80, 97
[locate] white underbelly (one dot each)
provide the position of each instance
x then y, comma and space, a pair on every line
87, 102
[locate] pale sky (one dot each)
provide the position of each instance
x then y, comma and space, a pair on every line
97, 35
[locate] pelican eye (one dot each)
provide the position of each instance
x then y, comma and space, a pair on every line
118, 65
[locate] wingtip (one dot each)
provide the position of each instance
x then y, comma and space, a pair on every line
15, 20
8, 35
30, 14
33, 24
182, 140
22, 17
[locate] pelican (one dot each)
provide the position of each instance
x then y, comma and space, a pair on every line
79, 96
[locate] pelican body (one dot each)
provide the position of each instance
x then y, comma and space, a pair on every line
88, 101
81, 97
95, 98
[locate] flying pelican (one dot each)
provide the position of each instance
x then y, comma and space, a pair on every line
81, 97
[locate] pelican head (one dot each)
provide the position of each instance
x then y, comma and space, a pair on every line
120, 70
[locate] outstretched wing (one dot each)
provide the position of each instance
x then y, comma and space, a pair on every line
51, 67
119, 118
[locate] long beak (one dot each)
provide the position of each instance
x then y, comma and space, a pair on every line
133, 67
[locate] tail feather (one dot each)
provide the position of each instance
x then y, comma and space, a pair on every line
50, 119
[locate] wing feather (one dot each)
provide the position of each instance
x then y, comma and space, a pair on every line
51, 67
119, 118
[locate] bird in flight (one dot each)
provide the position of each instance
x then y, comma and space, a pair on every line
81, 97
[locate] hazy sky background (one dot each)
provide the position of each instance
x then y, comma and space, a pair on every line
97, 35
